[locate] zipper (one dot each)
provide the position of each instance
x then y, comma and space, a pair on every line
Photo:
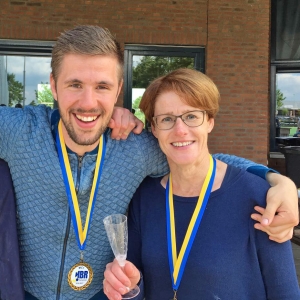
62, 263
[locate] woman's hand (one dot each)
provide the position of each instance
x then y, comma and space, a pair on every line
122, 122
119, 280
281, 214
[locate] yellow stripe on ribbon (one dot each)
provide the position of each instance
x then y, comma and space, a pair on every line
82, 234
177, 261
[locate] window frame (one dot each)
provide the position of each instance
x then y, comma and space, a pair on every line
277, 66
196, 52
26, 47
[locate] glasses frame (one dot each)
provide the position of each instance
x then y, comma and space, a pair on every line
179, 116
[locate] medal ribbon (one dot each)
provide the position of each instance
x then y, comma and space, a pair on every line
81, 235
177, 264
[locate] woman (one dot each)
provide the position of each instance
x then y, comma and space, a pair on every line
189, 234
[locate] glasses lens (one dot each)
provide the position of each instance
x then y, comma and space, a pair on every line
193, 118
165, 121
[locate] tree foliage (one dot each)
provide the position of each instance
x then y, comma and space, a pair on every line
151, 67
15, 90
138, 113
44, 95
279, 99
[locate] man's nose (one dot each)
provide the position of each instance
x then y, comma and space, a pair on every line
88, 98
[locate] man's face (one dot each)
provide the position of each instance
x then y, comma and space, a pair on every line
86, 89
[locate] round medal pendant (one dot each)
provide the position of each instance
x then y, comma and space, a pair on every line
80, 276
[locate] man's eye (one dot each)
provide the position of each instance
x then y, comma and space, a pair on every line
75, 85
102, 87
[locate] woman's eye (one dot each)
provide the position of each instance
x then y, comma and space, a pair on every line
190, 117
166, 120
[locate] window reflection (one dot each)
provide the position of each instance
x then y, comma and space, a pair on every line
25, 80
287, 104
146, 68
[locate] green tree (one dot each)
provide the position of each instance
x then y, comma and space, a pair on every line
44, 95
279, 99
138, 113
32, 103
151, 67
15, 90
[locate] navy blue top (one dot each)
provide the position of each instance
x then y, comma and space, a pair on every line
11, 285
229, 258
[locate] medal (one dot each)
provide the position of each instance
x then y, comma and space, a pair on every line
81, 274
177, 263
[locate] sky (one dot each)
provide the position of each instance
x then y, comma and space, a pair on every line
289, 85
37, 70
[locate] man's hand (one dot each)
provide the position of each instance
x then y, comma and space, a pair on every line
119, 280
123, 122
281, 214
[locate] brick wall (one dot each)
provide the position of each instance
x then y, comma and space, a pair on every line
235, 33
238, 62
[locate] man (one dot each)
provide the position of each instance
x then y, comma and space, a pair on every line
11, 285
69, 174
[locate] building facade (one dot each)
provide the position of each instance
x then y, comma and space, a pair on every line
233, 39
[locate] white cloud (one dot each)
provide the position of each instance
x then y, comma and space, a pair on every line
289, 85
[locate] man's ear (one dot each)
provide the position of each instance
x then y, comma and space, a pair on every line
119, 90
53, 87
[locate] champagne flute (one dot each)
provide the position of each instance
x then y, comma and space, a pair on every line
117, 233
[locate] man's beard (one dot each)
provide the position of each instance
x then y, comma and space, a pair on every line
72, 133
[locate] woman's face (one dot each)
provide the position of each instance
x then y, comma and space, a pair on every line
183, 145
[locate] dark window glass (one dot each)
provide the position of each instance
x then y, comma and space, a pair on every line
287, 29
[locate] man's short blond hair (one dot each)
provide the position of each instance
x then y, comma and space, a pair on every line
86, 40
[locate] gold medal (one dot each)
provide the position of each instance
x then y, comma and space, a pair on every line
80, 276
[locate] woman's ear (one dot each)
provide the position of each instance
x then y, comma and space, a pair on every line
153, 130
211, 124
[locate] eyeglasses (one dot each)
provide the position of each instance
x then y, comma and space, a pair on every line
193, 118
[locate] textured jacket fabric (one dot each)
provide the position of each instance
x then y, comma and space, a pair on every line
48, 246
11, 285
47, 243
229, 259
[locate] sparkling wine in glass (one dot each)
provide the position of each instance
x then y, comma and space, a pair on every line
117, 233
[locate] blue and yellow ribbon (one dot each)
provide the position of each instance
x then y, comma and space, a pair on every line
81, 234
177, 263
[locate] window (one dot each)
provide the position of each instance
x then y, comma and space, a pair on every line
145, 63
285, 69
24, 72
